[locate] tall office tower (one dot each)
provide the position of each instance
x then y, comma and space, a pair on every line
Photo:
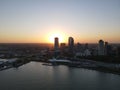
56, 47
106, 48
101, 48
70, 44
56, 43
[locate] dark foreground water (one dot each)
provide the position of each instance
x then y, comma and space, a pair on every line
35, 76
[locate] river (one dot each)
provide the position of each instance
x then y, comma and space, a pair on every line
35, 76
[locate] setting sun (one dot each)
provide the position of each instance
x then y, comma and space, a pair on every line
60, 35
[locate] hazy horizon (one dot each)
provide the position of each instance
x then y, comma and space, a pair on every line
39, 21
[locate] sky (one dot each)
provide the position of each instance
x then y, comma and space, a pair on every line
39, 21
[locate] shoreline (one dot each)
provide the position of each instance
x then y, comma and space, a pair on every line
86, 64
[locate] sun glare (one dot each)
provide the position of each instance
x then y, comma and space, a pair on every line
60, 35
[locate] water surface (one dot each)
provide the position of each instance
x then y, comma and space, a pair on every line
35, 76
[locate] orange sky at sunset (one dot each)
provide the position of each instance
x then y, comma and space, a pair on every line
87, 21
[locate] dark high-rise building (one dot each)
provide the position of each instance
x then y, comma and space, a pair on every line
101, 47
71, 44
56, 47
106, 48
56, 43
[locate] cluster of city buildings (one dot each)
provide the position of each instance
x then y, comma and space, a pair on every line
58, 50
74, 54
100, 49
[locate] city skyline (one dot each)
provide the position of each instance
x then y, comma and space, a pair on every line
40, 21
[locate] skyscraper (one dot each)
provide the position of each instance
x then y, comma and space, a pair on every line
56, 47
56, 43
106, 48
71, 44
101, 48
